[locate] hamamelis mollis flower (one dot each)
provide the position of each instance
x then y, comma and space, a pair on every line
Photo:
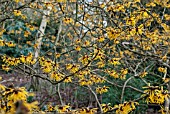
85, 82
56, 76
6, 67
161, 69
84, 59
62, 109
143, 74
101, 90
106, 107
155, 94
17, 13
10, 44
86, 111
101, 39
16, 99
68, 20
101, 64
96, 79
50, 108
113, 73
126, 107
77, 48
2, 43
114, 61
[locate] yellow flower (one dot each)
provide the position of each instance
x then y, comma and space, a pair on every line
86, 43
85, 82
47, 69
68, 20
18, 94
145, 14
62, 109
87, 111
2, 87
124, 71
23, 17
74, 68
155, 95
68, 79
56, 76
61, 0
5, 67
100, 64
78, 48
115, 61
77, 41
161, 69
57, 55
101, 39
143, 74
131, 21
17, 13
106, 107
26, 33
69, 66
50, 108
101, 90
113, 73
23, 59
84, 59
10, 44
16, 1
31, 27
125, 108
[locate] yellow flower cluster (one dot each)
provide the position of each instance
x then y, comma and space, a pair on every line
161, 69
117, 7
113, 33
106, 107
85, 82
114, 61
101, 39
115, 74
11, 61
17, 13
131, 21
101, 64
96, 79
77, 48
56, 76
86, 111
14, 100
143, 74
62, 109
28, 59
47, 65
100, 54
126, 107
9, 44
72, 68
155, 95
101, 90
84, 59
68, 20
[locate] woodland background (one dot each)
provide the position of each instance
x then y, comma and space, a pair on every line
80, 57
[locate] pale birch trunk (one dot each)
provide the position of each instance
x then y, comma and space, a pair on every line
40, 34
